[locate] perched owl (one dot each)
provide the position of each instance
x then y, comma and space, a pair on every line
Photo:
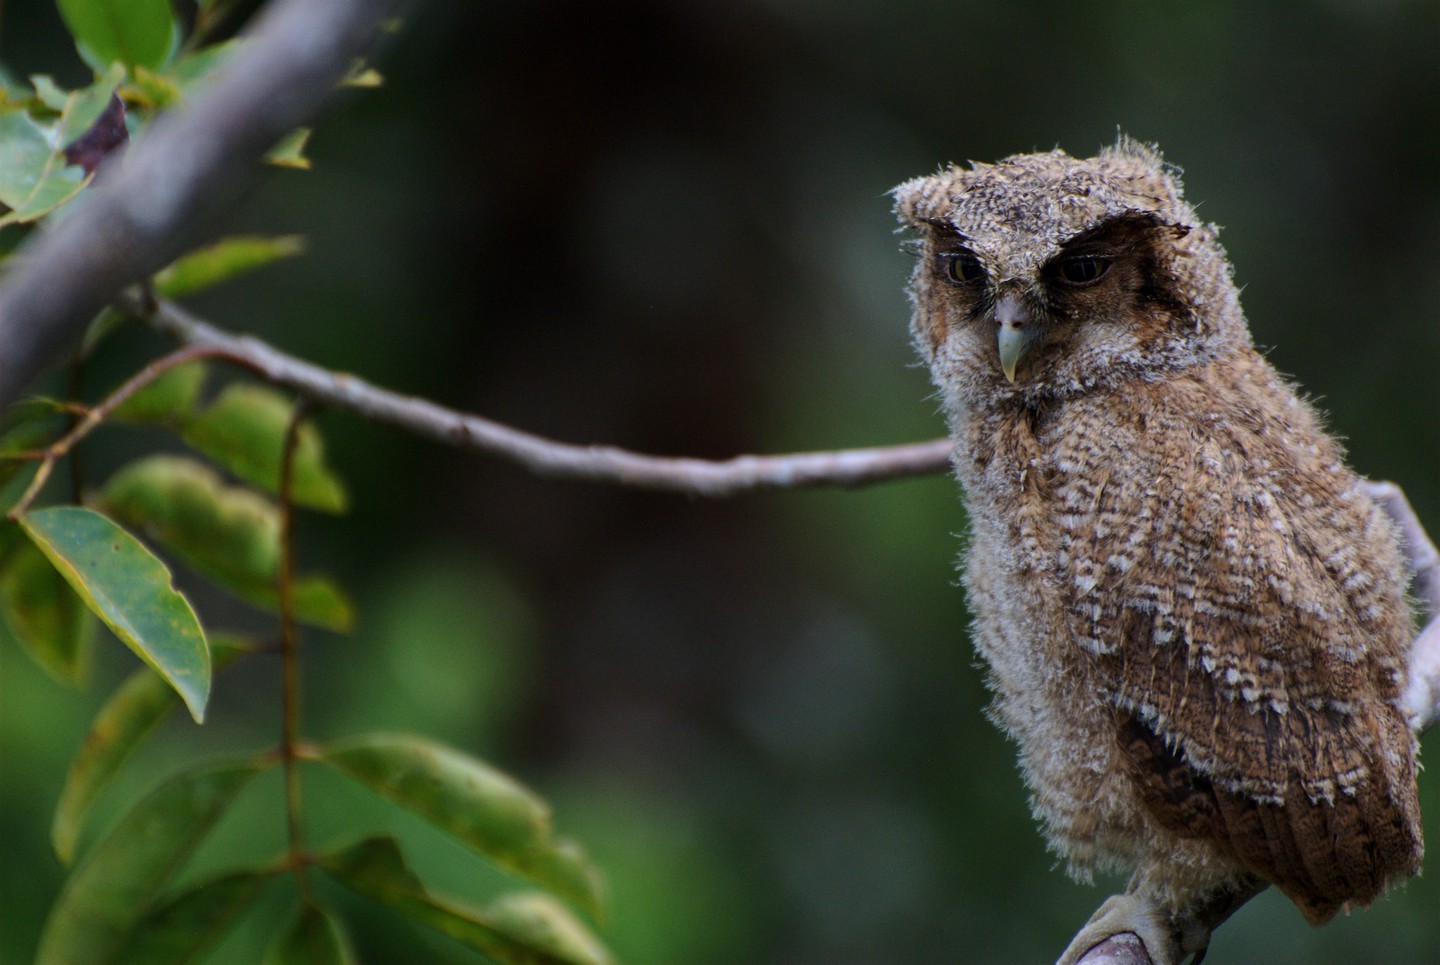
1194, 618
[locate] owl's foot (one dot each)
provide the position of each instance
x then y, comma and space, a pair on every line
1166, 942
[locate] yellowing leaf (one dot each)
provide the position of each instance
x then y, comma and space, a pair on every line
486, 810
290, 152
228, 533
127, 587
123, 722
227, 258
171, 395
244, 431
516, 934
542, 923
109, 892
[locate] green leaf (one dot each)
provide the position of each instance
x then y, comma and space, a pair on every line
110, 891
157, 91
127, 587
244, 431
49, 93
290, 152
47, 619
315, 937
511, 932
34, 178
83, 107
486, 810
223, 260
134, 32
187, 926
542, 923
195, 69
171, 395
230, 534
122, 724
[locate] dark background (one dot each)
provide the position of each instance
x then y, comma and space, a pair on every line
664, 225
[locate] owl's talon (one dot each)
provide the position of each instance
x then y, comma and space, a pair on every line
1166, 942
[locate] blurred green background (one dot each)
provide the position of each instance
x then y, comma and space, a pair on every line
664, 225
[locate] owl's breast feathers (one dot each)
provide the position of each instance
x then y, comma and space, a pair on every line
1240, 603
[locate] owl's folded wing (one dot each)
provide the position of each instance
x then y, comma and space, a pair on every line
1252, 664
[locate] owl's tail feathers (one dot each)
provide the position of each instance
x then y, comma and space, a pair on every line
1332, 854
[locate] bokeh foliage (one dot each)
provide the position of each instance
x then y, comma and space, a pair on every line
664, 225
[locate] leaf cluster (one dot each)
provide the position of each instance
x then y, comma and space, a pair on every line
103, 556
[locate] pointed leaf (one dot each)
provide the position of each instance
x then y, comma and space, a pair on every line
230, 534
187, 926
486, 810
290, 152
134, 32
127, 587
84, 107
204, 267
171, 395
109, 892
315, 937
49, 93
542, 923
156, 91
244, 431
376, 868
561, 865
46, 617
125, 720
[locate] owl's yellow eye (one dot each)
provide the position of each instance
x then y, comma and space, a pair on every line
1083, 269
962, 267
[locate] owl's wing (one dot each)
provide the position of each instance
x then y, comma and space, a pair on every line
1245, 648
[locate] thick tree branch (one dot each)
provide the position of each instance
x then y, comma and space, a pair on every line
545, 457
134, 219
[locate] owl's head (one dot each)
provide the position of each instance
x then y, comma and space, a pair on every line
1044, 276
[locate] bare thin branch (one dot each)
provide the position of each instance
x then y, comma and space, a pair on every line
546, 457
135, 218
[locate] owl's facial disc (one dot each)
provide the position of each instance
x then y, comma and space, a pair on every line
1016, 332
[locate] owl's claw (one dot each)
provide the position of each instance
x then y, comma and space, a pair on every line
1165, 942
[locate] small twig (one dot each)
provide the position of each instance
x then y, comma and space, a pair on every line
546, 457
290, 647
92, 418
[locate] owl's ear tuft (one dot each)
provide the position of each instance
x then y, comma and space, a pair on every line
1145, 152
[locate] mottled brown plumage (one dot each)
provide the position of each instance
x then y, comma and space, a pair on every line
1194, 618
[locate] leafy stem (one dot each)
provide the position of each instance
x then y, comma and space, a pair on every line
290, 648
92, 418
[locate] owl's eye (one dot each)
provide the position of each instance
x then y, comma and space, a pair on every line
962, 267
1083, 269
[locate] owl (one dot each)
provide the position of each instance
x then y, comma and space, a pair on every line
1195, 621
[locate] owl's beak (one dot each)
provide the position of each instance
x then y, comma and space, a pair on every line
1015, 331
